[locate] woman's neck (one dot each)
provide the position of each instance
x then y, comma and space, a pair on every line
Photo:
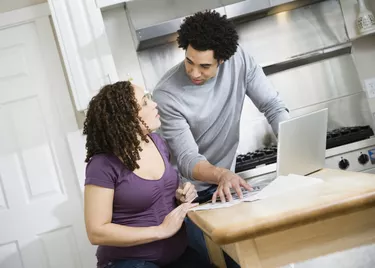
143, 144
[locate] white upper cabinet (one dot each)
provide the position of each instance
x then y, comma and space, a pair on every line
84, 47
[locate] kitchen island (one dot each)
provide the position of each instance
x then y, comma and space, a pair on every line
294, 226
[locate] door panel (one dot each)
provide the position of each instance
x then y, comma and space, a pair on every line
41, 206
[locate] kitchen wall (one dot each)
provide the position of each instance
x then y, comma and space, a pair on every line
122, 46
364, 56
8, 5
335, 83
363, 48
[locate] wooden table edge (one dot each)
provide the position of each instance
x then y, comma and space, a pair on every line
347, 206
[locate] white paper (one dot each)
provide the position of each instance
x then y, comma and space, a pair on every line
278, 186
283, 184
236, 200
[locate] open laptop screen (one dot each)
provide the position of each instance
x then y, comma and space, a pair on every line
302, 144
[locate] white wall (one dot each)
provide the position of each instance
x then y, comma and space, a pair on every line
364, 47
364, 57
122, 45
8, 5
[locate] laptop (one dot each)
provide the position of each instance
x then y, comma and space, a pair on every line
302, 144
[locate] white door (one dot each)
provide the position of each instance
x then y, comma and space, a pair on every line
41, 206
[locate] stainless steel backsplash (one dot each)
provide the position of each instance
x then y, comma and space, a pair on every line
288, 34
331, 83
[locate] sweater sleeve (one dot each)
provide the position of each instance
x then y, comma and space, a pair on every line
261, 92
176, 131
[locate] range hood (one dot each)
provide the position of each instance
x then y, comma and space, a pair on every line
163, 32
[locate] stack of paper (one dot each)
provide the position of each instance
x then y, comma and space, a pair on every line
280, 185
288, 183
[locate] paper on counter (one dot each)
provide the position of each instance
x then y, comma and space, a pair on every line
248, 196
283, 184
278, 186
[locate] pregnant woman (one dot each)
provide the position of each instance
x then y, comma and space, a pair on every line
134, 207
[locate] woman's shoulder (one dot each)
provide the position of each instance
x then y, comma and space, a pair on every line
101, 158
103, 162
104, 170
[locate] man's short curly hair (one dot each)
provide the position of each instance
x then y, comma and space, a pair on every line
209, 31
112, 124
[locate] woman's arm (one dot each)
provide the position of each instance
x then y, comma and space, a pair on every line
100, 230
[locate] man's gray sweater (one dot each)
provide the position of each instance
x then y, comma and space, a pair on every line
201, 122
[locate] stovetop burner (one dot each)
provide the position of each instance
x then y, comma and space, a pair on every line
335, 138
346, 135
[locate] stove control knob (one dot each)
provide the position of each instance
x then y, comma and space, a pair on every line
363, 159
343, 164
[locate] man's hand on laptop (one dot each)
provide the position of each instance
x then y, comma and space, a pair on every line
227, 181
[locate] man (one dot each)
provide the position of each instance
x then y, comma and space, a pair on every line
200, 102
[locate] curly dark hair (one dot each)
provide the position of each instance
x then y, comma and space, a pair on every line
112, 124
209, 31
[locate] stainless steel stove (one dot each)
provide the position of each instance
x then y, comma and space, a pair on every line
349, 148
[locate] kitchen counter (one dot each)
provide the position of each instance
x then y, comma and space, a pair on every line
334, 215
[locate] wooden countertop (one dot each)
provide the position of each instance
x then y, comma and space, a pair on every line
341, 192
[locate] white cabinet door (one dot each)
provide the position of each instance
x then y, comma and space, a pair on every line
84, 46
41, 208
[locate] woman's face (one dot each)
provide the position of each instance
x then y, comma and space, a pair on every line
148, 113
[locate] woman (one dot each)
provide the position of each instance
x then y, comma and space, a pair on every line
131, 188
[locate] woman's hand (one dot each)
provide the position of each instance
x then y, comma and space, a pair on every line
186, 193
173, 221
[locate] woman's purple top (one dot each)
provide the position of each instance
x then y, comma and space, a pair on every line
138, 202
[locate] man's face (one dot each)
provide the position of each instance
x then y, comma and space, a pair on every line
200, 66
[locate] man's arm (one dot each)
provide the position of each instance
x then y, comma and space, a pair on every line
263, 95
190, 162
204, 171
176, 131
